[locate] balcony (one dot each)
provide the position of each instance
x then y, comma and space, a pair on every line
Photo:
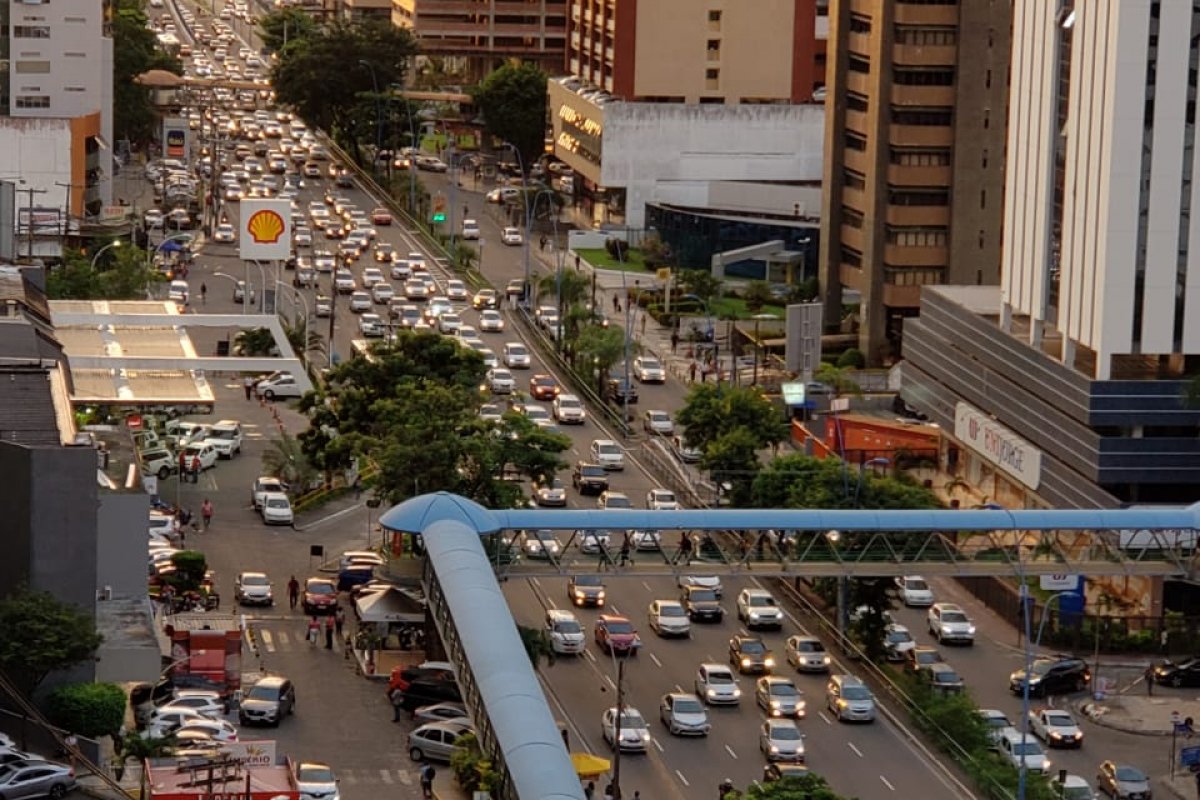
859, 43
923, 96
855, 198
901, 296
917, 176
922, 14
850, 276
921, 135
918, 216
855, 159
858, 82
852, 237
925, 56
933, 257
857, 122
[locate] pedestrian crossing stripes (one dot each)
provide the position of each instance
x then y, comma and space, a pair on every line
378, 777
285, 640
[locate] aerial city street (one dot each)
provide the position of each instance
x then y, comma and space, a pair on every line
335, 282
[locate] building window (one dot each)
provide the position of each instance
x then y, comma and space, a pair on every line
902, 115
921, 36
917, 237
856, 63
983, 198
714, 20
852, 217
712, 78
714, 48
856, 102
33, 101
853, 179
75, 89
859, 24
33, 67
851, 256
984, 158
987, 79
919, 196
75, 55
77, 20
854, 141
920, 156
31, 31
924, 77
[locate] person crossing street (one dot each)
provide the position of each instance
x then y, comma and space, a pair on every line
206, 512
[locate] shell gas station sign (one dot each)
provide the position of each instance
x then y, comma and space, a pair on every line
266, 230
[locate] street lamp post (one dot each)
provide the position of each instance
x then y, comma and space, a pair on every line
873, 462
619, 666
528, 217
109, 246
378, 111
245, 288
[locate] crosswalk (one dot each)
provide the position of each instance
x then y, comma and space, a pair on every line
283, 635
378, 777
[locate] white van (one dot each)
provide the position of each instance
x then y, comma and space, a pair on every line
226, 438
565, 632
470, 229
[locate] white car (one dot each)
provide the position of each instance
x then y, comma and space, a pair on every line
382, 292
501, 381
592, 542
1055, 727
716, 685
512, 236
360, 302
662, 500
541, 544
608, 454
253, 589
658, 422
371, 326
669, 618
457, 290
490, 321
781, 740
279, 384
779, 697
178, 291
224, 233
516, 355
449, 323
568, 409
316, 781
898, 641
648, 369
758, 609
302, 236
807, 654
167, 719
264, 485
949, 623
1018, 750
914, 591
470, 229
372, 276
203, 701
277, 509
634, 733
205, 452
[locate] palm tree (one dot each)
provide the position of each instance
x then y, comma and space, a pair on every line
140, 748
537, 645
573, 287
303, 338
284, 459
254, 342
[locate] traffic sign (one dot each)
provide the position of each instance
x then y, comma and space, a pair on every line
439, 208
1059, 583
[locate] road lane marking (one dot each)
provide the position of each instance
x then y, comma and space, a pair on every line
709, 659
615, 610
386, 775
824, 718
654, 658
591, 657
610, 682
656, 744
679, 688
536, 582
682, 779
550, 603
647, 585
887, 783
729, 750
857, 752
268, 645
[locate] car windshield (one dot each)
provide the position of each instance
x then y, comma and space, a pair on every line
703, 596
915, 585
785, 733
277, 502
255, 580
588, 580
608, 449
671, 610
650, 363
1028, 748
1060, 720
516, 351
856, 693
954, 616
223, 434
619, 626
592, 472
688, 705
946, 677
321, 588
928, 657
809, 647
720, 677
1042, 667
632, 719
261, 692
617, 501
1130, 775
753, 647
899, 637
568, 402
661, 496
314, 773
568, 626
544, 536
761, 600
784, 690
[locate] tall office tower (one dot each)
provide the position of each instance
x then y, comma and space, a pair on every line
56, 69
768, 51
480, 35
1100, 251
914, 156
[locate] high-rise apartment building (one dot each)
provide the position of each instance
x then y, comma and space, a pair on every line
914, 155
56, 64
483, 34
683, 51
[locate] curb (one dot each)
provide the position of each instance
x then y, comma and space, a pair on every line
1081, 708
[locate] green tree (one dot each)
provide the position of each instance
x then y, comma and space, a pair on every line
756, 295
574, 288
700, 283
284, 458
809, 786
852, 359
254, 342
135, 51
655, 252
710, 412
303, 338
42, 634
190, 568
513, 102
285, 28
600, 348
837, 378
537, 645
732, 459
88, 709
123, 275
133, 747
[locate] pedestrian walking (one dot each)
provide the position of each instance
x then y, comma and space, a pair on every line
428, 773
314, 630
692, 372
624, 555
339, 619
71, 745
329, 625
196, 470
1149, 676
248, 385
577, 265
396, 698
203, 294
206, 512
293, 592
542, 242
589, 791
617, 303
183, 466
643, 325
685, 548
674, 341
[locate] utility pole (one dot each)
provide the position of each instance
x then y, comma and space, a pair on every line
30, 192
617, 734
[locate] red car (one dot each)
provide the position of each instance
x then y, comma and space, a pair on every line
320, 596
617, 635
544, 387
381, 216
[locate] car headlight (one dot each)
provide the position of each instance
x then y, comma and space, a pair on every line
745, 662
770, 662
774, 704
774, 749
645, 736
827, 660
600, 594
711, 693
971, 629
753, 615
737, 692
1055, 735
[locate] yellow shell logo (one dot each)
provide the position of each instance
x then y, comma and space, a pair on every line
265, 227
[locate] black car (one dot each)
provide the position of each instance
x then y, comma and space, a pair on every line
1053, 675
589, 478
427, 691
701, 604
749, 655
1182, 673
919, 658
618, 389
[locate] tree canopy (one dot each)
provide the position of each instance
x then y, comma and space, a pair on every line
285, 28
327, 73
121, 274
513, 102
710, 412
412, 410
135, 50
42, 634
809, 786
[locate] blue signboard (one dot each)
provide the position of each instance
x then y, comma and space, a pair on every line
1189, 757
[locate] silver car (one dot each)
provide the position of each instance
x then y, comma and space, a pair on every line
779, 697
684, 714
781, 740
35, 779
435, 741
807, 654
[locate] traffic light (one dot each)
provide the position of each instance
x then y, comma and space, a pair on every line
439, 208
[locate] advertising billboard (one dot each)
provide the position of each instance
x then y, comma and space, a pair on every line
176, 137
265, 233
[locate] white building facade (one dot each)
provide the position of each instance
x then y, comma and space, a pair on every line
1099, 244
60, 66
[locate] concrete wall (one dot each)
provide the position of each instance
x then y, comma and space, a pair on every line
38, 151
15, 500
63, 534
121, 544
648, 147
72, 57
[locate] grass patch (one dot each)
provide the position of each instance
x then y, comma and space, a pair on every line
599, 258
735, 308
